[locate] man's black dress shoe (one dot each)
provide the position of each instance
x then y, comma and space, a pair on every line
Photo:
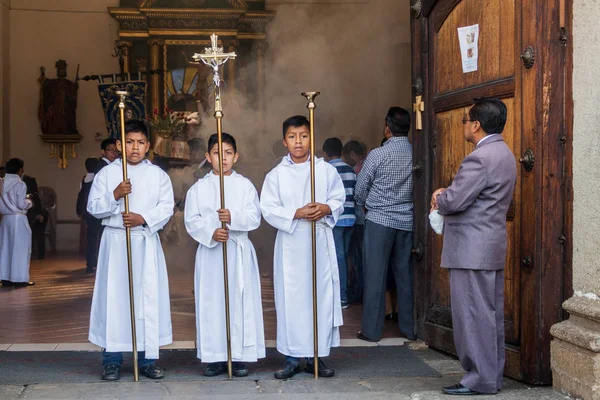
459, 390
152, 371
360, 336
214, 369
112, 372
288, 371
238, 369
7, 283
324, 372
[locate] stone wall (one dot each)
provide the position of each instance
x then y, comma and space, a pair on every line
576, 345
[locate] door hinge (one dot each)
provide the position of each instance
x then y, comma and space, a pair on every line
563, 36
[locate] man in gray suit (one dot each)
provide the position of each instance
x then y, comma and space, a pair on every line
474, 207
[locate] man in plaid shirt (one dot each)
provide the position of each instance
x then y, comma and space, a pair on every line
384, 188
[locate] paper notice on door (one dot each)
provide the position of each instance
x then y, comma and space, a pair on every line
468, 37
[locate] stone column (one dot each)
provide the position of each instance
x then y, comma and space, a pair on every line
575, 350
124, 47
155, 45
231, 64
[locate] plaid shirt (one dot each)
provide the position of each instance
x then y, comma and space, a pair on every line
384, 185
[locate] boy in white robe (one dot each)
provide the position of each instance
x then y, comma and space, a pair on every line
150, 207
203, 218
285, 204
15, 233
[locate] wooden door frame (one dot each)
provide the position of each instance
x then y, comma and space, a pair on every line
549, 84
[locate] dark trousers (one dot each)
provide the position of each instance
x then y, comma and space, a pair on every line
341, 238
38, 236
117, 358
382, 244
356, 273
93, 234
477, 299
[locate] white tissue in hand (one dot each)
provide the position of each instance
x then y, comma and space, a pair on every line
436, 221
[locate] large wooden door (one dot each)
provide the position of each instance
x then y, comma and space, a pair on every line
506, 29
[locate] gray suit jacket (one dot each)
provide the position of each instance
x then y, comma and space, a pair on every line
474, 208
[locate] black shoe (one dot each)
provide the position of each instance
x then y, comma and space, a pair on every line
459, 390
324, 372
214, 369
23, 284
288, 371
112, 372
360, 336
152, 371
238, 369
7, 283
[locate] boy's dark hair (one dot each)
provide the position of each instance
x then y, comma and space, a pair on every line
354, 145
296, 121
333, 147
107, 142
14, 165
491, 114
137, 126
398, 120
93, 165
225, 137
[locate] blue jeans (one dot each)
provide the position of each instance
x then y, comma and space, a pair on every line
117, 358
296, 360
341, 237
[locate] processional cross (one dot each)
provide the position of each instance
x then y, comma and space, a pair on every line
214, 57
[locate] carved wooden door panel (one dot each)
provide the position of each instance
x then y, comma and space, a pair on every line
447, 91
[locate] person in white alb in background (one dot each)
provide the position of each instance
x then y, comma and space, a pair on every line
15, 233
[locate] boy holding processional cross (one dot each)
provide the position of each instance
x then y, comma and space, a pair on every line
151, 205
203, 220
285, 204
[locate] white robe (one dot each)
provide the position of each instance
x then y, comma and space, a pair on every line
110, 321
287, 188
246, 319
15, 233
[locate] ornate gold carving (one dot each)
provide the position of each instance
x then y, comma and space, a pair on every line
62, 147
238, 4
142, 64
183, 23
156, 42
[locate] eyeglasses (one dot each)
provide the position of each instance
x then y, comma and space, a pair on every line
465, 120
112, 150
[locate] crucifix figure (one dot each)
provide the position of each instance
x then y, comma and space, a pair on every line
214, 57
418, 108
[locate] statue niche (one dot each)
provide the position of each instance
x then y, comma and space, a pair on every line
58, 102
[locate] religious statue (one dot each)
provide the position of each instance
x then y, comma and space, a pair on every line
58, 101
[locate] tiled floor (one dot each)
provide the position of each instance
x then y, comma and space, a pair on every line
55, 311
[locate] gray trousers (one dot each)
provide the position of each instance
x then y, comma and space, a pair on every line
380, 244
477, 298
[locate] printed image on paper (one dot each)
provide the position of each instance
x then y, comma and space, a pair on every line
468, 37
